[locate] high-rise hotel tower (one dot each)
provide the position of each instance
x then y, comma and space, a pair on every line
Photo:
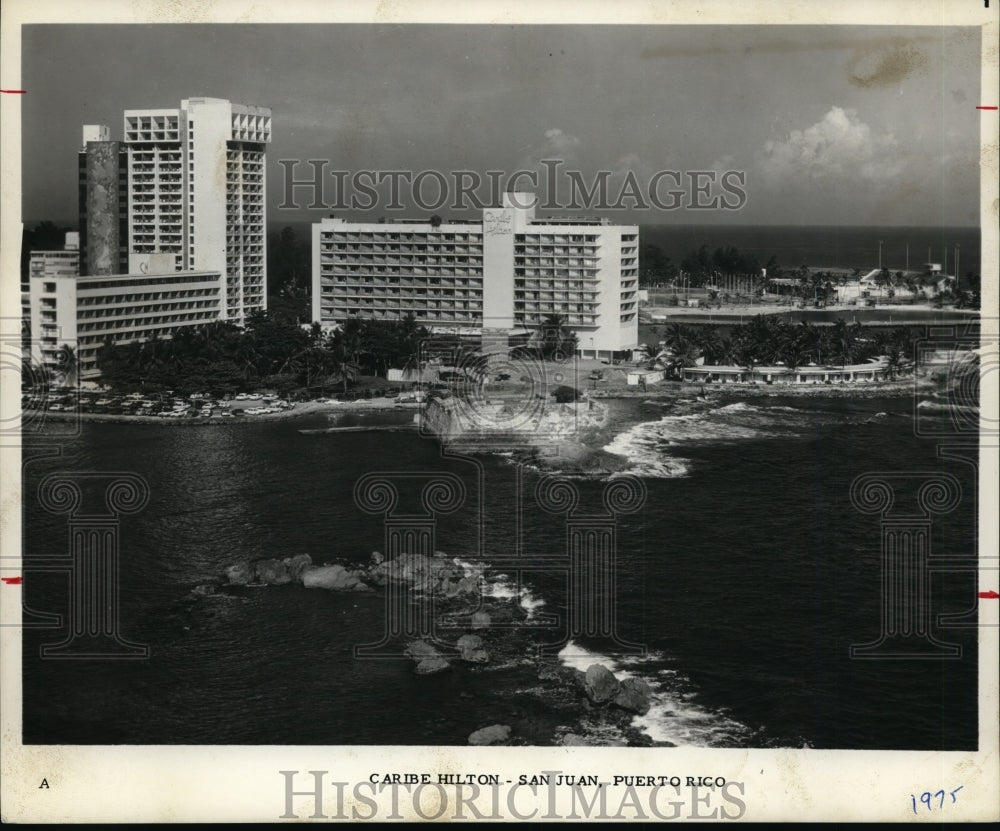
505, 273
183, 191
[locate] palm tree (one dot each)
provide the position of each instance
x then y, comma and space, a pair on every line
707, 340
794, 353
883, 280
676, 333
68, 365
554, 337
746, 356
247, 355
343, 358
726, 352
684, 354
816, 340
894, 361
650, 353
844, 339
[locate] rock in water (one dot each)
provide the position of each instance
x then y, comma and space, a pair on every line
600, 684
467, 585
476, 656
481, 620
494, 734
204, 590
296, 565
328, 577
240, 574
272, 572
470, 649
428, 666
421, 650
634, 695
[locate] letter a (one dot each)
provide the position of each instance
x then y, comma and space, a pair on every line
45, 784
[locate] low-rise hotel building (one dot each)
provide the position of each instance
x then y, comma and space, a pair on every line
64, 262
84, 313
506, 272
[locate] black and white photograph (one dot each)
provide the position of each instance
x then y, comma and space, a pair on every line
520, 413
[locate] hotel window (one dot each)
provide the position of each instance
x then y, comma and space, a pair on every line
49, 287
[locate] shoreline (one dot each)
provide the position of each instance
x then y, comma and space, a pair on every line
304, 409
585, 454
879, 389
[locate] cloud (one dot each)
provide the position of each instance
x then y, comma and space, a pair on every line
560, 144
839, 148
554, 144
560, 138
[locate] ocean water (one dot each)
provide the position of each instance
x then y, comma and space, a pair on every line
745, 577
825, 246
818, 246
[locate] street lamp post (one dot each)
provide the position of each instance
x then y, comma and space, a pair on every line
958, 274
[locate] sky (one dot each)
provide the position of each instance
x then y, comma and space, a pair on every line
823, 125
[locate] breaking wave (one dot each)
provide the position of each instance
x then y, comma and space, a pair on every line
674, 716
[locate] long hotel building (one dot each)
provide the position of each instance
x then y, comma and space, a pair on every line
158, 200
506, 272
84, 313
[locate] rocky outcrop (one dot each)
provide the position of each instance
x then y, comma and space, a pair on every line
600, 684
604, 704
297, 569
429, 660
335, 578
634, 695
602, 687
240, 574
204, 590
272, 572
481, 620
420, 650
296, 565
492, 735
430, 666
470, 649
436, 574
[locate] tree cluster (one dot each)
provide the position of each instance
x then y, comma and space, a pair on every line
767, 340
269, 352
